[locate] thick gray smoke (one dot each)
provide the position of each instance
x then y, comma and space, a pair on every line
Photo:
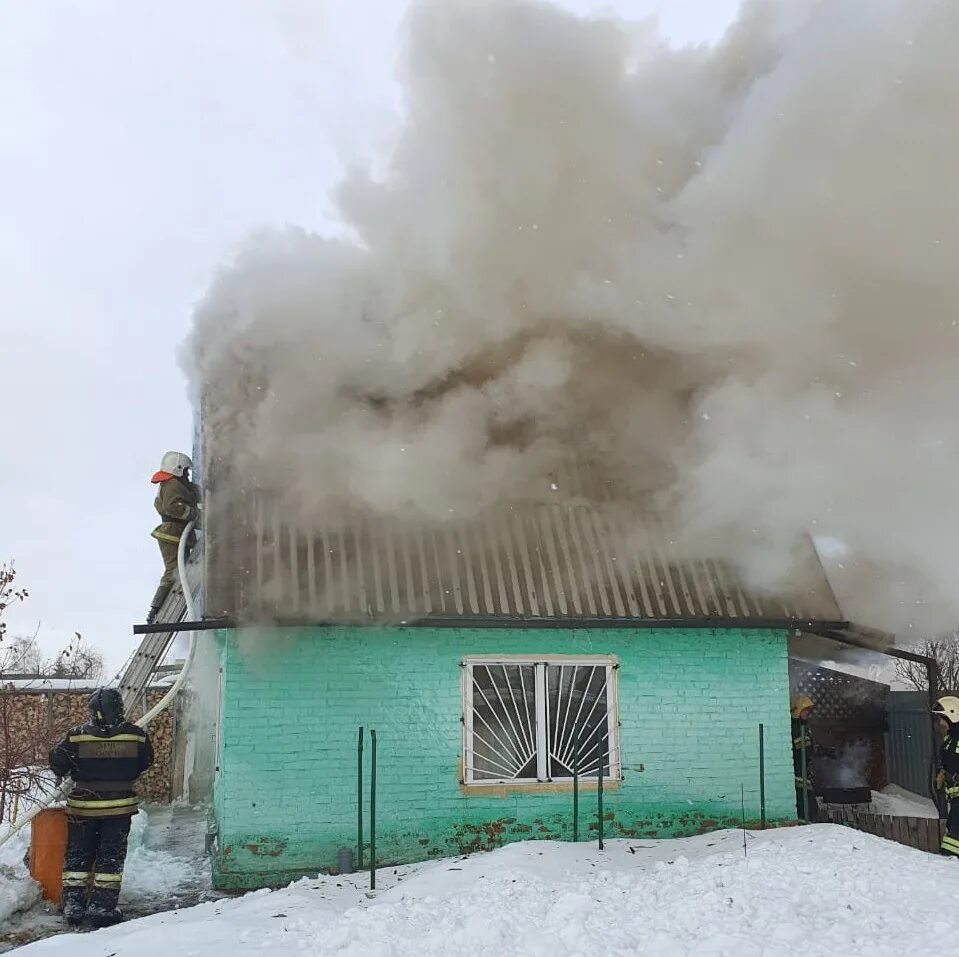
725, 277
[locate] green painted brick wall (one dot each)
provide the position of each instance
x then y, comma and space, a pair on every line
690, 703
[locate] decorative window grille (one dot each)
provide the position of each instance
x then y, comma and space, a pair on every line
528, 721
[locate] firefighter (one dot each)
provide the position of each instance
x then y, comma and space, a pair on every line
800, 708
104, 758
178, 504
947, 780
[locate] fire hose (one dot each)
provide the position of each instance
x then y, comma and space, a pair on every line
64, 788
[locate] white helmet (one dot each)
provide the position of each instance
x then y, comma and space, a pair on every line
176, 463
948, 707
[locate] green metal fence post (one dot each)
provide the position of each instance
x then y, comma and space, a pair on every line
373, 810
359, 801
600, 747
575, 786
805, 774
762, 777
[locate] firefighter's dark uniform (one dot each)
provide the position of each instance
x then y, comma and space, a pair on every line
104, 763
177, 503
802, 733
949, 758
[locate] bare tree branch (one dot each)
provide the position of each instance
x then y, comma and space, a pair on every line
9, 593
31, 723
77, 660
945, 651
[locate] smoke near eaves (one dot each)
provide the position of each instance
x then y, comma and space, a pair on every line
724, 278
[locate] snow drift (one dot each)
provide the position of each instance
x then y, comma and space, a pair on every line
18, 890
819, 891
724, 277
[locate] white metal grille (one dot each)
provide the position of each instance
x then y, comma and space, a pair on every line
527, 721
578, 715
503, 722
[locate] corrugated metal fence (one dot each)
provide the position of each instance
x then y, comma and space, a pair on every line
909, 742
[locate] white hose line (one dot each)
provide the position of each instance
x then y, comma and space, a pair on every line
59, 794
64, 789
164, 702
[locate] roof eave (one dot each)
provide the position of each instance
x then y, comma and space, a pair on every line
513, 621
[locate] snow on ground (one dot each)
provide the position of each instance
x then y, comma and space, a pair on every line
16, 894
162, 872
155, 869
899, 802
153, 872
820, 890
17, 890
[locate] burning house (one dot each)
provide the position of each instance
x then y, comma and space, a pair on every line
521, 464
493, 658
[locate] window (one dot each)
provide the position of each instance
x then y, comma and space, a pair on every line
527, 721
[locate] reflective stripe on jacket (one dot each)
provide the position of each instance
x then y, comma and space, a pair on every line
169, 532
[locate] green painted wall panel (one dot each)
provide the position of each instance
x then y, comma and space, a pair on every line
690, 703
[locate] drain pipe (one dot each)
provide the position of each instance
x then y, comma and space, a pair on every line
64, 789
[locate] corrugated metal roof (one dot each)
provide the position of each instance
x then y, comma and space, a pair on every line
535, 562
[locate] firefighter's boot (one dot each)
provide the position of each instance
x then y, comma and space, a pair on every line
103, 910
158, 599
101, 915
74, 905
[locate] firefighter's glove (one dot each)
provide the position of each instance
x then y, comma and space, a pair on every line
940, 780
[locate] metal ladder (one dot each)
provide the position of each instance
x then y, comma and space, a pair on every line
143, 663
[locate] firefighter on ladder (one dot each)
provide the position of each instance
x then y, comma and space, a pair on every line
947, 779
178, 504
104, 758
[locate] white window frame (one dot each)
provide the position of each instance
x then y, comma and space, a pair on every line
540, 664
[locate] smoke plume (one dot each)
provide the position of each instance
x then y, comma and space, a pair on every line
724, 278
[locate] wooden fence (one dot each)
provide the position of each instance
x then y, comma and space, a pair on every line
923, 833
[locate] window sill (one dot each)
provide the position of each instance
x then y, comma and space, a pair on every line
545, 787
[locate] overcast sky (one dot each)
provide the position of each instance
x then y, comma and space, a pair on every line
139, 142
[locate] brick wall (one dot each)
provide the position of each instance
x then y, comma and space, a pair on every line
690, 704
32, 721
